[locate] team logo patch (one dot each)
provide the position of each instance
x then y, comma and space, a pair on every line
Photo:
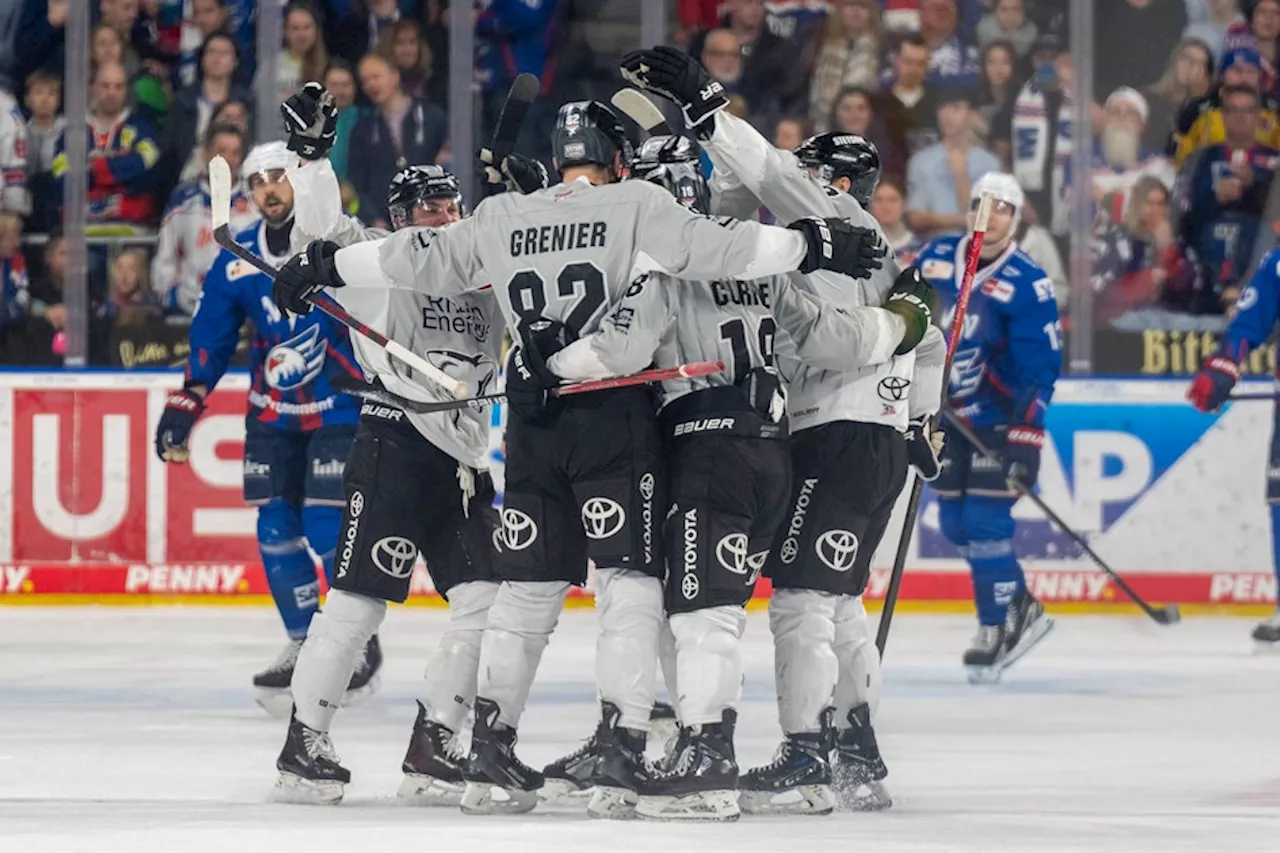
893, 388
647, 487
837, 549
307, 595
602, 517
731, 551
934, 268
519, 531
1248, 298
356, 504
789, 551
394, 555
295, 362
1000, 291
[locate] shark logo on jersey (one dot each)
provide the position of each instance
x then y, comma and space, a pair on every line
295, 362
478, 371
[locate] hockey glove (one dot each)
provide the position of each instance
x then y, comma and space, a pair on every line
1212, 385
515, 173
1022, 456
912, 298
310, 122
924, 448
305, 275
838, 246
181, 409
675, 75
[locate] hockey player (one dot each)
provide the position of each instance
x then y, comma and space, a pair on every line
582, 473
841, 421
1002, 380
1255, 319
414, 484
298, 430
728, 465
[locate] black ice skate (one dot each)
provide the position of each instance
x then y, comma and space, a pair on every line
621, 768
1267, 634
985, 655
497, 781
798, 780
664, 727
859, 773
365, 678
701, 783
271, 686
309, 768
571, 776
1026, 625
432, 765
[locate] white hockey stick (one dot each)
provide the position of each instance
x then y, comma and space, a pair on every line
642, 111
220, 195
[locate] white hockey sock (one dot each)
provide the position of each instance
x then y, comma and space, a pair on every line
805, 667
337, 635
708, 662
450, 687
667, 660
521, 619
860, 679
629, 604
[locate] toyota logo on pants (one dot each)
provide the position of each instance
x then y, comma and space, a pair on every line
395, 556
838, 549
518, 530
602, 517
731, 551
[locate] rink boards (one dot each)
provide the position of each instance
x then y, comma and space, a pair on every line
1172, 498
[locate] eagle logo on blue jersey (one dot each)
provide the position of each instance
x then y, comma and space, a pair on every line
295, 362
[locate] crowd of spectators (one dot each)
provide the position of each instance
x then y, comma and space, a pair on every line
1184, 112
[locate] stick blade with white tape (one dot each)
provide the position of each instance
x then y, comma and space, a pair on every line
220, 192
640, 109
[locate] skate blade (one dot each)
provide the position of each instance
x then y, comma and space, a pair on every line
870, 796
612, 803
985, 674
709, 806
801, 800
562, 789
420, 790
351, 698
1030, 638
294, 789
483, 798
276, 701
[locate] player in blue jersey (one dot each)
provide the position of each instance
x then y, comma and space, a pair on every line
1255, 319
1008, 359
298, 430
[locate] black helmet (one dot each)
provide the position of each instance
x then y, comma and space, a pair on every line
413, 185
589, 132
844, 155
673, 162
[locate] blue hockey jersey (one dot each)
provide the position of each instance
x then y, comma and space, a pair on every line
293, 359
1010, 351
1256, 311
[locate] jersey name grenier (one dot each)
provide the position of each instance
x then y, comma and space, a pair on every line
565, 237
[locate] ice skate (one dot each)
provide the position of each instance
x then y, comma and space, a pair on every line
1026, 625
432, 765
497, 781
570, 777
985, 654
859, 772
664, 728
309, 768
1266, 635
365, 679
798, 780
271, 686
701, 784
620, 769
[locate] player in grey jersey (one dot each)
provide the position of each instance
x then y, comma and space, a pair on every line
727, 465
857, 420
583, 473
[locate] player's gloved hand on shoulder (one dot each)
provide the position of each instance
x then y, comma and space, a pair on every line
679, 77
310, 122
1022, 454
181, 410
836, 245
1212, 386
924, 448
305, 275
516, 173
913, 299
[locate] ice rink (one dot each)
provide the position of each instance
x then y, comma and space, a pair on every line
134, 730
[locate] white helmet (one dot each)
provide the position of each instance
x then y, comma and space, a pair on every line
265, 157
1001, 186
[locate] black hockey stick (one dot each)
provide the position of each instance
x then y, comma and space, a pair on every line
1167, 614
220, 197
524, 91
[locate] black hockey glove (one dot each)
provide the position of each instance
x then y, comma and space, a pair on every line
515, 173
181, 410
924, 448
1022, 455
304, 275
310, 122
912, 298
836, 245
675, 75
529, 380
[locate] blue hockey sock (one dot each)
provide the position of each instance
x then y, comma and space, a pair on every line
997, 579
321, 522
1275, 541
291, 573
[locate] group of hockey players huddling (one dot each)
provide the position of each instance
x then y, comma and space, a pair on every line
786, 463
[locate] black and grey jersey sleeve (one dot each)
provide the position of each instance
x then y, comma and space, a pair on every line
831, 338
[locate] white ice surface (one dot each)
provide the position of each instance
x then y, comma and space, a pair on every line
134, 730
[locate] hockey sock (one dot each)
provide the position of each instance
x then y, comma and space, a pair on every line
321, 523
1275, 540
521, 619
629, 604
860, 681
291, 573
997, 576
450, 687
805, 667
708, 661
667, 660
328, 657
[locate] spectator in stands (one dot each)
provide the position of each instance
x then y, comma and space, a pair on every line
854, 111
123, 155
721, 55
48, 313
771, 76
904, 107
889, 206
14, 197
997, 88
952, 60
359, 28
148, 94
398, 131
42, 43
1259, 32
940, 177
130, 300
1122, 157
1200, 123
1223, 16
1225, 197
1007, 22
15, 291
10, 32
235, 112
45, 127
194, 106
107, 45
844, 51
514, 38
304, 58
186, 247
1189, 76
1132, 40
789, 133
1038, 243
340, 81
207, 17
404, 46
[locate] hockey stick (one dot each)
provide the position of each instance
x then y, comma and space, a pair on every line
524, 91
1165, 615
1270, 396
917, 485
424, 407
640, 109
220, 196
